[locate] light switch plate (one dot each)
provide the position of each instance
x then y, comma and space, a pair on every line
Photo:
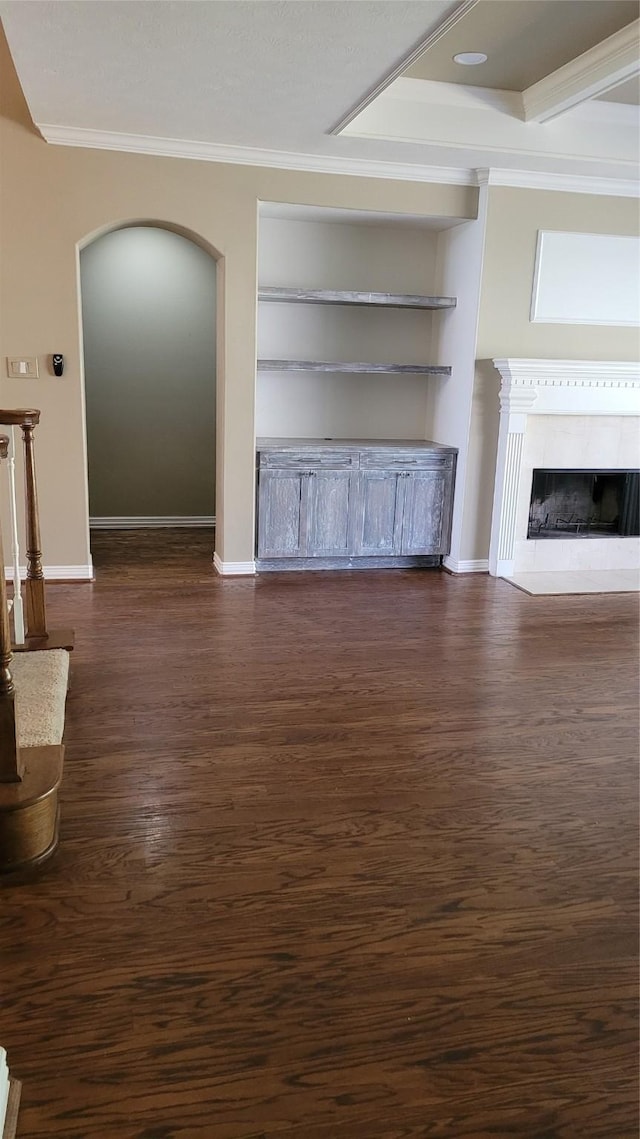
22, 367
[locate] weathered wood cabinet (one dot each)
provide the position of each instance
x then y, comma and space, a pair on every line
353, 504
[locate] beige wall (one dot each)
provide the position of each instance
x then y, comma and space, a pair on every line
513, 220
53, 199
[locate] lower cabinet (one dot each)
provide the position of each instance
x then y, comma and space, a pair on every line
305, 514
384, 504
423, 521
379, 513
281, 514
330, 513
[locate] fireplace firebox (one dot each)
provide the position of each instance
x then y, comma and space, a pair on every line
584, 504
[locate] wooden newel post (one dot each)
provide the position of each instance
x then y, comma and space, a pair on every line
35, 603
11, 768
37, 636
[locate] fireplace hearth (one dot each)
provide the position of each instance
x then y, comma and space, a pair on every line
584, 504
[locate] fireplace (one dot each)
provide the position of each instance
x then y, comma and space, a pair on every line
567, 467
584, 504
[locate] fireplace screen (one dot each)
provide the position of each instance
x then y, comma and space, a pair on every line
584, 504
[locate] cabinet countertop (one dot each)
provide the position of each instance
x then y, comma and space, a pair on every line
271, 444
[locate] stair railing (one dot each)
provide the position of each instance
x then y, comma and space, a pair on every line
11, 765
36, 635
8, 453
29, 775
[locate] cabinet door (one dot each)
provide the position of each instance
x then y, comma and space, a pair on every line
424, 512
379, 513
330, 513
281, 514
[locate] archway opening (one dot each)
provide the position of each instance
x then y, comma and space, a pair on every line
149, 335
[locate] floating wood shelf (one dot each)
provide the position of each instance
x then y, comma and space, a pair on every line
346, 297
351, 367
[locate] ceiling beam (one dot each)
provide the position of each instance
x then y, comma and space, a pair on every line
593, 73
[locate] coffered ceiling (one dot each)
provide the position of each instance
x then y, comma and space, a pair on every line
359, 86
523, 41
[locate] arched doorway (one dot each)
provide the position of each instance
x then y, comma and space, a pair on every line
148, 302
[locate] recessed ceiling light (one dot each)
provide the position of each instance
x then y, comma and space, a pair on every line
470, 58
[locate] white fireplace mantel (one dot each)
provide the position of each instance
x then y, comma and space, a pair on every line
547, 387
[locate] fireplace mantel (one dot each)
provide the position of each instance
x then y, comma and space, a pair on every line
547, 387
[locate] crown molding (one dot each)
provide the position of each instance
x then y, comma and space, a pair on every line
252, 156
364, 168
563, 183
593, 73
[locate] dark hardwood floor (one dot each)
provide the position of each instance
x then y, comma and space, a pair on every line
342, 857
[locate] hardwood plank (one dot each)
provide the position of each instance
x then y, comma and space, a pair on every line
341, 858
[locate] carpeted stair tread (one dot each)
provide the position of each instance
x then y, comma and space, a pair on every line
41, 680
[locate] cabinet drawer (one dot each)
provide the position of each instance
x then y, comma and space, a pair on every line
336, 460
404, 461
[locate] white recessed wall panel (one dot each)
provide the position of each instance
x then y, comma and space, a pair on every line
342, 407
586, 278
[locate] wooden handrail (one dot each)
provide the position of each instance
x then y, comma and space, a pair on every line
17, 416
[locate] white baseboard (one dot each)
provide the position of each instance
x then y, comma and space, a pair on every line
57, 573
231, 569
478, 565
151, 522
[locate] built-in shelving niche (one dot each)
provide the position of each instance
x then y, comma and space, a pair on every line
381, 395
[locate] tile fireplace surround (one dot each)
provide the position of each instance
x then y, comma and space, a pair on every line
566, 414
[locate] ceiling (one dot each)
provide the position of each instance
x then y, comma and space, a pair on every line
628, 92
272, 81
269, 74
523, 41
